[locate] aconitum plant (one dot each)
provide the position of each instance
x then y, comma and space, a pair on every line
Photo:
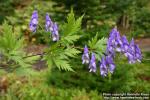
55, 34
59, 53
92, 52
106, 65
85, 56
92, 65
103, 67
34, 21
51, 27
116, 43
48, 23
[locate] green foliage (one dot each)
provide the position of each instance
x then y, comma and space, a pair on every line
59, 53
72, 26
131, 15
98, 46
126, 78
11, 49
36, 90
70, 29
7, 8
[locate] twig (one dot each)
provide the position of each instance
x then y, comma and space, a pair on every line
40, 54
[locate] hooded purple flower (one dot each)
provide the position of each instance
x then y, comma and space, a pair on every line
113, 33
114, 42
55, 34
125, 45
34, 21
138, 54
85, 56
131, 52
112, 37
135, 50
110, 50
48, 24
128, 49
110, 64
132, 45
118, 42
103, 67
92, 65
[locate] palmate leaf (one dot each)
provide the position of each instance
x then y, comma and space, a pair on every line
60, 59
12, 47
71, 52
98, 46
8, 40
72, 26
92, 42
62, 64
69, 39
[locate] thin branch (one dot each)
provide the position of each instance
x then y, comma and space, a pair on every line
40, 54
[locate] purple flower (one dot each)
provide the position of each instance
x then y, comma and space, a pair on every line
118, 42
34, 21
110, 49
113, 33
138, 54
128, 49
125, 45
85, 56
131, 52
92, 65
52, 27
48, 24
112, 37
114, 42
55, 34
110, 64
132, 45
103, 67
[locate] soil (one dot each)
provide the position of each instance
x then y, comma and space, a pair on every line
144, 44
37, 49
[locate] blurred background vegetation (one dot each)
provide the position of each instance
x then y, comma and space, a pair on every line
132, 17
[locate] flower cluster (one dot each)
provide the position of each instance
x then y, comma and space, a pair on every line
86, 60
106, 64
115, 43
52, 27
49, 25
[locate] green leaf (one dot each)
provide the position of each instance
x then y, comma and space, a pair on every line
69, 39
11, 47
71, 52
72, 26
98, 46
59, 54
62, 64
